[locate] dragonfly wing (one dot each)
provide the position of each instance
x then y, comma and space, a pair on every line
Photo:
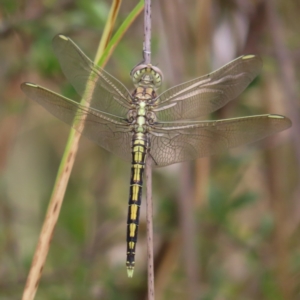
176, 142
103, 91
110, 132
208, 93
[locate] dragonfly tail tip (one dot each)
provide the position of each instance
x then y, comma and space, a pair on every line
130, 272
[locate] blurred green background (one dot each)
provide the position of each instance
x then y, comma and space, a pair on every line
226, 227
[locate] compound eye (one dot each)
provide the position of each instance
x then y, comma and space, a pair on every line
146, 74
158, 72
138, 70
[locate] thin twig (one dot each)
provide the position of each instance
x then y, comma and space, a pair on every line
147, 32
150, 260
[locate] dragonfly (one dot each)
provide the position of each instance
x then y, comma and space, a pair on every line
165, 127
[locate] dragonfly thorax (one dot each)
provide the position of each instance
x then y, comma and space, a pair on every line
141, 114
146, 76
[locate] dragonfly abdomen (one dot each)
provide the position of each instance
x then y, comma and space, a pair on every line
139, 151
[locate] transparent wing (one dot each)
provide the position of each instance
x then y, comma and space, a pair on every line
176, 142
106, 93
110, 132
208, 93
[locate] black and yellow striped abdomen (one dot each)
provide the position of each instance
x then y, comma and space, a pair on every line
139, 152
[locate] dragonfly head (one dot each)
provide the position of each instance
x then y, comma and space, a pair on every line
146, 76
